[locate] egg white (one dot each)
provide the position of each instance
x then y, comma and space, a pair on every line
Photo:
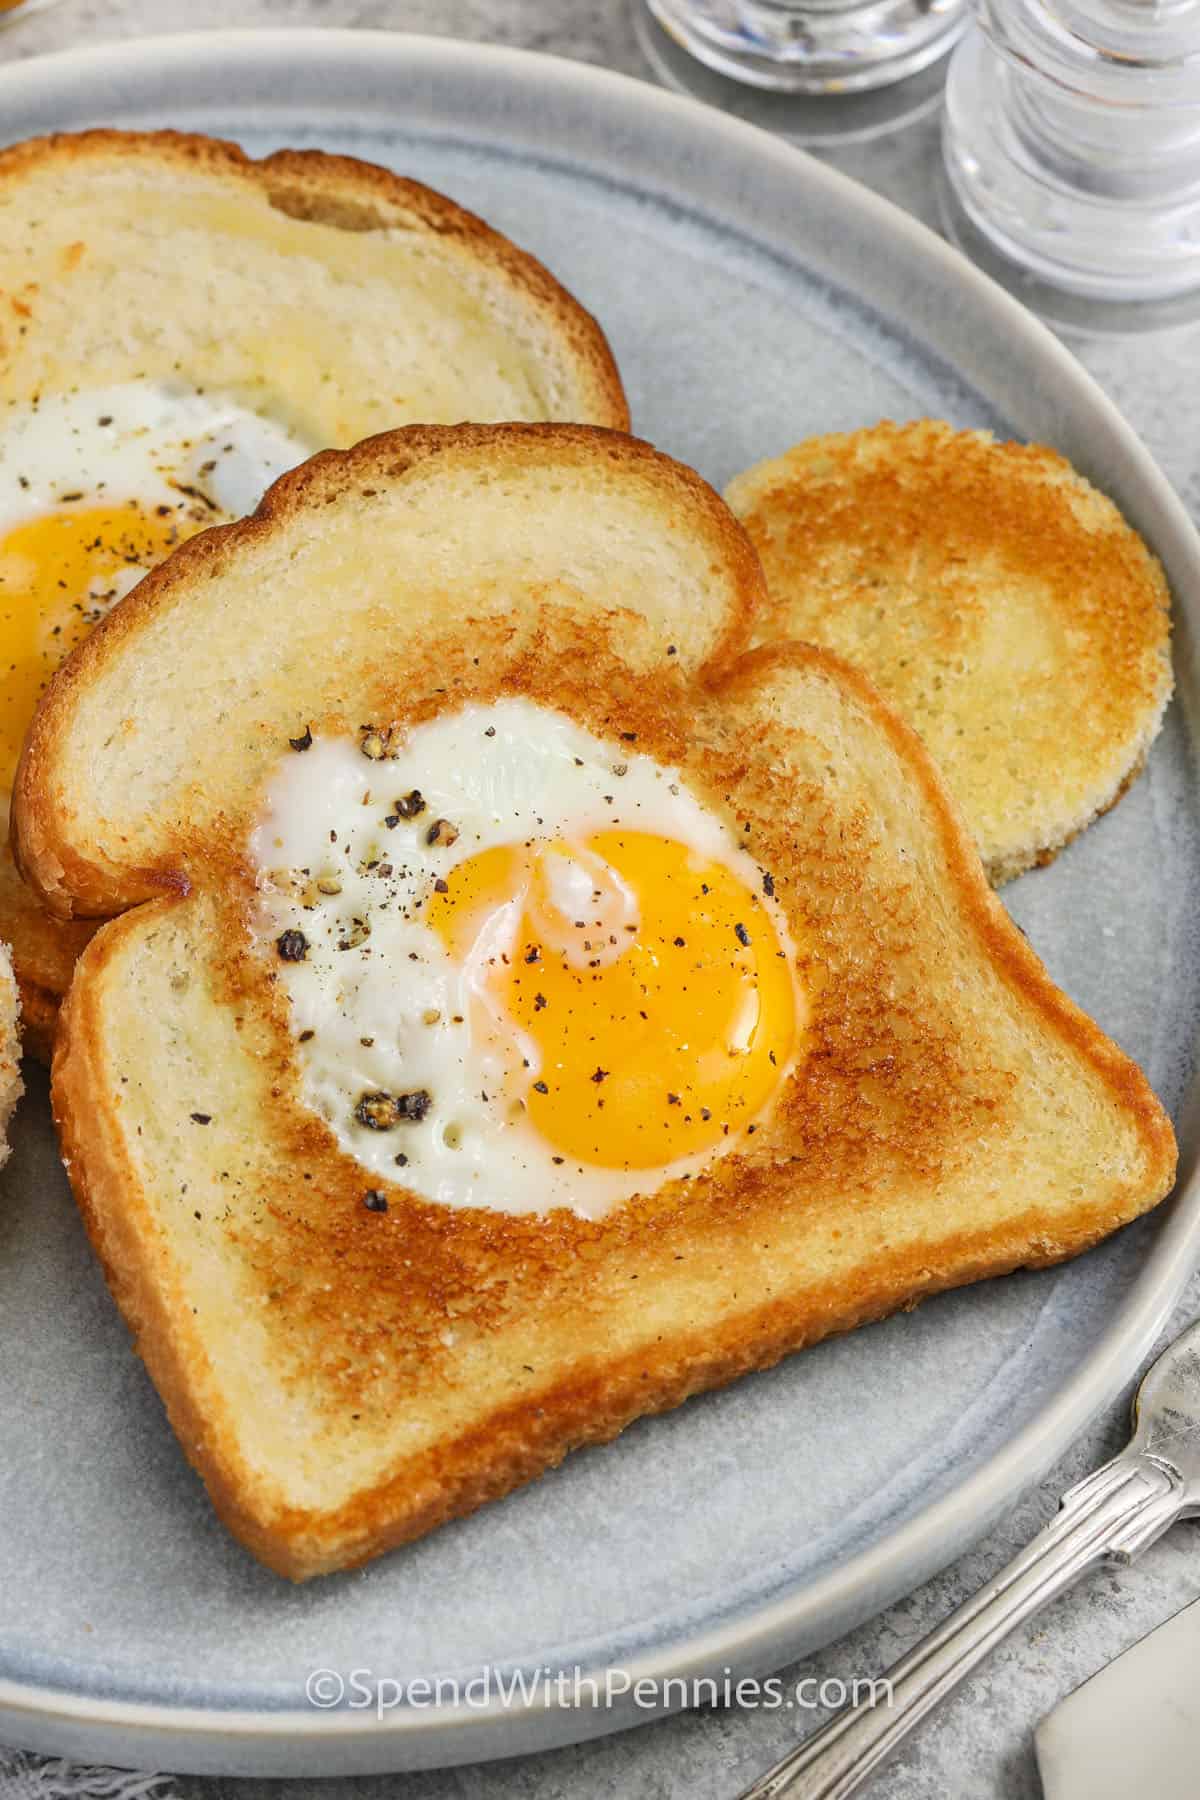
378, 1004
144, 441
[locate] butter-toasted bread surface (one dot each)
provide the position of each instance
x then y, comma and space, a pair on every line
331, 294
994, 595
346, 1378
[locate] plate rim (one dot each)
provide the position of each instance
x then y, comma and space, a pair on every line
762, 1635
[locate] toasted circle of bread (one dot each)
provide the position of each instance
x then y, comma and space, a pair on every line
346, 1378
1001, 601
329, 293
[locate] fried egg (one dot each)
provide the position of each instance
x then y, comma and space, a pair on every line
96, 486
525, 968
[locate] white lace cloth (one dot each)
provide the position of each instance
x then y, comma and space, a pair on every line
24, 1777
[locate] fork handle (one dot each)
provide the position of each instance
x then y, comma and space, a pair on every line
1115, 1512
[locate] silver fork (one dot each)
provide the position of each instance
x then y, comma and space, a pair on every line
1111, 1516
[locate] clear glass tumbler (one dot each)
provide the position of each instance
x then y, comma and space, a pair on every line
1072, 143
819, 47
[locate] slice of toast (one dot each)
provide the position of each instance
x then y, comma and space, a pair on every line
330, 294
346, 1363
1001, 601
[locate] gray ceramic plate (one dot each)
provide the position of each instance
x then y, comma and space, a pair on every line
751, 297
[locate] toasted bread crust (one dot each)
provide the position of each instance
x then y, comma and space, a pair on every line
352, 196
115, 1211
73, 885
11, 1084
334, 191
997, 598
43, 953
588, 1404
524, 1441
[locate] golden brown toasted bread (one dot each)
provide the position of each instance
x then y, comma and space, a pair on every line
347, 1362
44, 950
327, 294
11, 1085
1001, 601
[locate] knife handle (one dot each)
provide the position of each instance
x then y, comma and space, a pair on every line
1115, 1512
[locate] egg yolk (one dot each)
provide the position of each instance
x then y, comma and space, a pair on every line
58, 575
647, 987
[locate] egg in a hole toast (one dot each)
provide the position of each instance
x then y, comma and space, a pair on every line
523, 1005
178, 325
